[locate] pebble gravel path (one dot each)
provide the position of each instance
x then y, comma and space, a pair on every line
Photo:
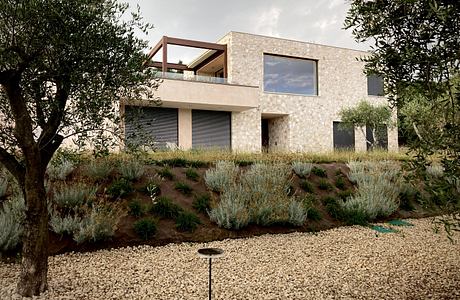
343, 263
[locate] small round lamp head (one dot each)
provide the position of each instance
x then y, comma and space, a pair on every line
210, 252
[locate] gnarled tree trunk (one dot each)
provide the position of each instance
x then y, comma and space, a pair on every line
33, 278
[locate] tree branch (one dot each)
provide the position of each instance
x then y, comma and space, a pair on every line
12, 165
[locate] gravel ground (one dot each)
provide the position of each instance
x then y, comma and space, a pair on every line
344, 263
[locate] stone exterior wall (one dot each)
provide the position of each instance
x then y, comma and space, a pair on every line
308, 124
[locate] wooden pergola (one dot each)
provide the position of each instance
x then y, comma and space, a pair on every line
164, 65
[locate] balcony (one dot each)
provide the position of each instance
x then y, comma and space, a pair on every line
191, 77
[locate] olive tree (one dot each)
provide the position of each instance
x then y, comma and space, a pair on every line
415, 48
63, 67
366, 115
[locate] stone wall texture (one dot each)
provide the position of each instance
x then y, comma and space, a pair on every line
304, 123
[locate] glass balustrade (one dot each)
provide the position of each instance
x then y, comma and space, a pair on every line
190, 77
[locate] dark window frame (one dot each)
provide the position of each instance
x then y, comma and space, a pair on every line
316, 61
375, 85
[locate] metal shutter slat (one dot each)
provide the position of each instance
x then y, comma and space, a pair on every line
211, 129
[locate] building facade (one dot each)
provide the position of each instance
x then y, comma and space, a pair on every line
249, 92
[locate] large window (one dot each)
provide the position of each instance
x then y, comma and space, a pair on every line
290, 75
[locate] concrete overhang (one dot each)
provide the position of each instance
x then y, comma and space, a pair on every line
204, 95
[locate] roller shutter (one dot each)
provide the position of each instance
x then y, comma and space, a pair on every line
343, 138
211, 129
144, 125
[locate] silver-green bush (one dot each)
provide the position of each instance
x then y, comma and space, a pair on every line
64, 225
98, 170
297, 213
72, 196
222, 176
231, 212
12, 216
100, 223
379, 185
302, 169
131, 169
435, 170
59, 170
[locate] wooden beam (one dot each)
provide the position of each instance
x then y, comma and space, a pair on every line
159, 65
195, 44
208, 60
225, 63
155, 49
165, 54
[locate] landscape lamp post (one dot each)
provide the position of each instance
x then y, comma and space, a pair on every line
210, 253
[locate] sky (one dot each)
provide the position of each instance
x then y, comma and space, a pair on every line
316, 21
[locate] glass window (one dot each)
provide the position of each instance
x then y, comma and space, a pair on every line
374, 85
290, 75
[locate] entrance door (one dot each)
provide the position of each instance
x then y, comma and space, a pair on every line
265, 135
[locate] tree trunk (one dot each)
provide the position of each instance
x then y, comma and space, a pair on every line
33, 278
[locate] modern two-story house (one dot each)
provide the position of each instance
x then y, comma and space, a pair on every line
249, 92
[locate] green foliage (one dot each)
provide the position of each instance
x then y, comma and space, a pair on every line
314, 214
183, 188
192, 174
222, 176
187, 221
73, 196
135, 208
145, 228
12, 215
320, 172
119, 188
98, 170
344, 194
164, 207
306, 186
166, 173
175, 162
297, 213
202, 203
340, 183
332, 207
131, 170
325, 185
302, 169
100, 223
426, 94
367, 115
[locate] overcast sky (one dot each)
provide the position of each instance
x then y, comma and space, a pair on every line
317, 21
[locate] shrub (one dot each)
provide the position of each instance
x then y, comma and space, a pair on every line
98, 170
297, 213
243, 163
100, 223
302, 169
135, 208
320, 172
231, 212
332, 207
344, 195
202, 203
164, 207
191, 174
378, 189
64, 225
314, 214
187, 221
306, 186
59, 170
3, 186
12, 215
166, 173
222, 176
340, 183
407, 195
73, 196
131, 170
119, 188
183, 188
324, 185
435, 171
145, 228
175, 162
197, 164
